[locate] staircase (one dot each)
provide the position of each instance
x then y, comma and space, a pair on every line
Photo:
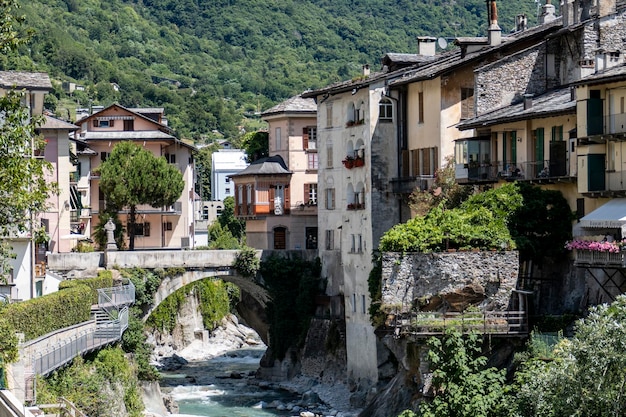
111, 320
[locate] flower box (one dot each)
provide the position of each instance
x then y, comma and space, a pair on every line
359, 162
348, 163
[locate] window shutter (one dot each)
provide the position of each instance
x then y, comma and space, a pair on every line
146, 229
111, 123
332, 198
435, 160
95, 123
287, 198
307, 191
405, 163
272, 193
305, 138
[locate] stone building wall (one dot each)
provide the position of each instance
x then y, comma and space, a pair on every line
506, 81
449, 281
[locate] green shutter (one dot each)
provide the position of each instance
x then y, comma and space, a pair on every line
514, 147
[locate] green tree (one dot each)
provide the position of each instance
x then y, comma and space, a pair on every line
132, 176
229, 222
23, 188
587, 376
463, 387
256, 145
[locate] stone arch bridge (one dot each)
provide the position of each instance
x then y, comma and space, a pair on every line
198, 265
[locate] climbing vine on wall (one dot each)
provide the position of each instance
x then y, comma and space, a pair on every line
292, 283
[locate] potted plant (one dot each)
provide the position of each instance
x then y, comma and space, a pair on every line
351, 206
359, 162
348, 162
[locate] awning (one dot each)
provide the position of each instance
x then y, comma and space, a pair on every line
610, 215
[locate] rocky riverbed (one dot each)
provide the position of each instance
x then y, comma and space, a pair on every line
186, 356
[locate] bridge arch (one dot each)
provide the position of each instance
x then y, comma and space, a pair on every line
251, 307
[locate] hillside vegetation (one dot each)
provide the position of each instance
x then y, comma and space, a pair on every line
211, 63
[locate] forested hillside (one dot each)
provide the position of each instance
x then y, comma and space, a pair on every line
211, 62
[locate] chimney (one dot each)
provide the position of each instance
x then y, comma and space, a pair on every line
528, 101
366, 70
426, 45
521, 22
548, 14
495, 33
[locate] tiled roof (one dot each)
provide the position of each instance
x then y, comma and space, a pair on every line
547, 105
453, 59
272, 165
27, 80
295, 104
52, 123
612, 74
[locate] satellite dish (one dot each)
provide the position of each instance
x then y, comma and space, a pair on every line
442, 43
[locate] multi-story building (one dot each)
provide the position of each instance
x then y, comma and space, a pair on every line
224, 163
277, 196
158, 227
29, 265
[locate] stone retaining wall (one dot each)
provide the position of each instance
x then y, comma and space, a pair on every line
449, 281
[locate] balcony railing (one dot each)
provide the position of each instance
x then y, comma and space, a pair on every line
419, 323
594, 257
406, 185
612, 124
509, 170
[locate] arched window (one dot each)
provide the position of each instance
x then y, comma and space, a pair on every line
205, 213
385, 110
280, 238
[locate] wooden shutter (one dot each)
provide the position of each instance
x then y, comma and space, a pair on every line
405, 163
415, 163
287, 192
95, 123
111, 123
435, 159
425, 158
307, 191
305, 138
272, 194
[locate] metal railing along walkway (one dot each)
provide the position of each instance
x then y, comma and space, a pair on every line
497, 323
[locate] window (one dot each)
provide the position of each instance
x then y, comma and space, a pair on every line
205, 213
227, 190
312, 161
354, 303
227, 179
277, 138
329, 155
129, 125
141, 229
310, 194
167, 226
611, 156
103, 123
280, 238
420, 108
170, 158
309, 138
330, 239
385, 110
363, 310
330, 199
467, 103
329, 115
557, 133
311, 237
104, 156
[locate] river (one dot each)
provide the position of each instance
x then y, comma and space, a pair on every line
219, 387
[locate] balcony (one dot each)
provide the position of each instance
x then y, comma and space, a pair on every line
353, 162
599, 259
304, 209
614, 124
533, 171
406, 185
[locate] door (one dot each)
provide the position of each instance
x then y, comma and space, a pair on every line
595, 172
539, 153
594, 113
558, 159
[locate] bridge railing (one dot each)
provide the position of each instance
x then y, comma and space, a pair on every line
117, 296
63, 352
